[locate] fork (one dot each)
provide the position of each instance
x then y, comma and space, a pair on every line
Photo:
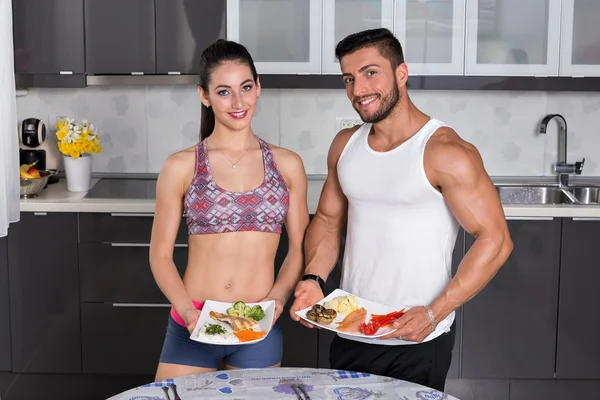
166, 390
296, 390
303, 389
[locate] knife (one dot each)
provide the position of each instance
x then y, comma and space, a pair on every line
301, 387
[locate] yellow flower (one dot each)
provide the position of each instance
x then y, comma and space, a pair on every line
77, 138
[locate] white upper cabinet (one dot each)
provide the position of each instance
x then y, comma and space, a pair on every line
580, 41
432, 35
513, 37
283, 36
344, 17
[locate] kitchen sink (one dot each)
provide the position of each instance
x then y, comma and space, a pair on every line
533, 195
586, 195
527, 194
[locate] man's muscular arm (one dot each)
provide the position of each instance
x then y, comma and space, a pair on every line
456, 168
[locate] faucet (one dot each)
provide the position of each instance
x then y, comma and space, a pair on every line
561, 167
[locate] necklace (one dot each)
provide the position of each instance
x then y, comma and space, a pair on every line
233, 164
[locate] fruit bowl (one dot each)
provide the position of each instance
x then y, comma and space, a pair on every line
31, 187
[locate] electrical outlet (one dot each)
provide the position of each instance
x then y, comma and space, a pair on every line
346, 122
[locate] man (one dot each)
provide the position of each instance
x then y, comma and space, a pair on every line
404, 181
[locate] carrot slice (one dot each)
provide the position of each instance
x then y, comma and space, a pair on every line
248, 335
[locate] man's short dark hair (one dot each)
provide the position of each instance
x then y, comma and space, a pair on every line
385, 41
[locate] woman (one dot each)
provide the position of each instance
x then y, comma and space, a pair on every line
236, 191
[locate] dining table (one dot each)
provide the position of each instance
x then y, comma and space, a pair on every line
282, 383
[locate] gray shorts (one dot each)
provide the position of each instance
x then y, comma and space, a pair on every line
178, 348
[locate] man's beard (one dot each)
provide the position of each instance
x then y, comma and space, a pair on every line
387, 106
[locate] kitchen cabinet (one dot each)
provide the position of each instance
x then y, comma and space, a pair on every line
5, 358
48, 36
509, 328
44, 293
333, 282
580, 38
120, 37
577, 347
344, 17
283, 36
300, 344
184, 28
432, 35
505, 39
120, 273
122, 338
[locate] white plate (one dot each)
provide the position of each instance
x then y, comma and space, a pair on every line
370, 306
217, 306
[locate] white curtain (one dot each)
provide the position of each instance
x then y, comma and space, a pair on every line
9, 142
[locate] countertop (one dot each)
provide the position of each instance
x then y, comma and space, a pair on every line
136, 196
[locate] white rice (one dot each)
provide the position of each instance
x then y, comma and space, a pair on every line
227, 337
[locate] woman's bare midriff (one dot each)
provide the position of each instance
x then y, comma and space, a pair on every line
230, 267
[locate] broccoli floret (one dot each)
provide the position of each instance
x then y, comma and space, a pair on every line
246, 311
256, 313
240, 306
233, 312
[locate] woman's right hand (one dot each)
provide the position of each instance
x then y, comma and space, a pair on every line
190, 317
307, 293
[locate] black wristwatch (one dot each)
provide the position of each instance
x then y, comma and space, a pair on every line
317, 278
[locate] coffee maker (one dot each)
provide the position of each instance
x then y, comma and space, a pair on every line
33, 146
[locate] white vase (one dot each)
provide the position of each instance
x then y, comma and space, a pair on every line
78, 172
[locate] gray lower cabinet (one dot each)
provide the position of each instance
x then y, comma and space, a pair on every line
44, 293
509, 328
578, 348
121, 273
300, 345
48, 36
120, 36
184, 28
5, 357
122, 338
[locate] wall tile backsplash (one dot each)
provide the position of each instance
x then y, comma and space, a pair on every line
141, 126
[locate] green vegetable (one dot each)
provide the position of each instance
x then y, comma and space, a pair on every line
233, 312
240, 306
256, 313
240, 309
215, 329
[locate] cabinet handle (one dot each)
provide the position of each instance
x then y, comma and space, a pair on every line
530, 218
137, 73
66, 72
142, 245
40, 213
131, 215
141, 305
586, 218
173, 73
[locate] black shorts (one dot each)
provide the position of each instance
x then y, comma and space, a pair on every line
423, 363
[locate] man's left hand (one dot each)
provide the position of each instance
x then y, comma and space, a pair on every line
413, 326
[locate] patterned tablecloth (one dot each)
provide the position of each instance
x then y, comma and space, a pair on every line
278, 383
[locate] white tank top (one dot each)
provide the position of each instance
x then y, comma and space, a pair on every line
401, 233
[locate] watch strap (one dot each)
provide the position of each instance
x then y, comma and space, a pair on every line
317, 278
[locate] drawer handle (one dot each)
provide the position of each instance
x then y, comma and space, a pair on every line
40, 213
529, 218
586, 218
131, 215
142, 245
141, 305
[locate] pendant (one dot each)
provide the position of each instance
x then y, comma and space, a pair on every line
233, 166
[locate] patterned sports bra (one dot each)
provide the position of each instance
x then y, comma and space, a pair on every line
211, 209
